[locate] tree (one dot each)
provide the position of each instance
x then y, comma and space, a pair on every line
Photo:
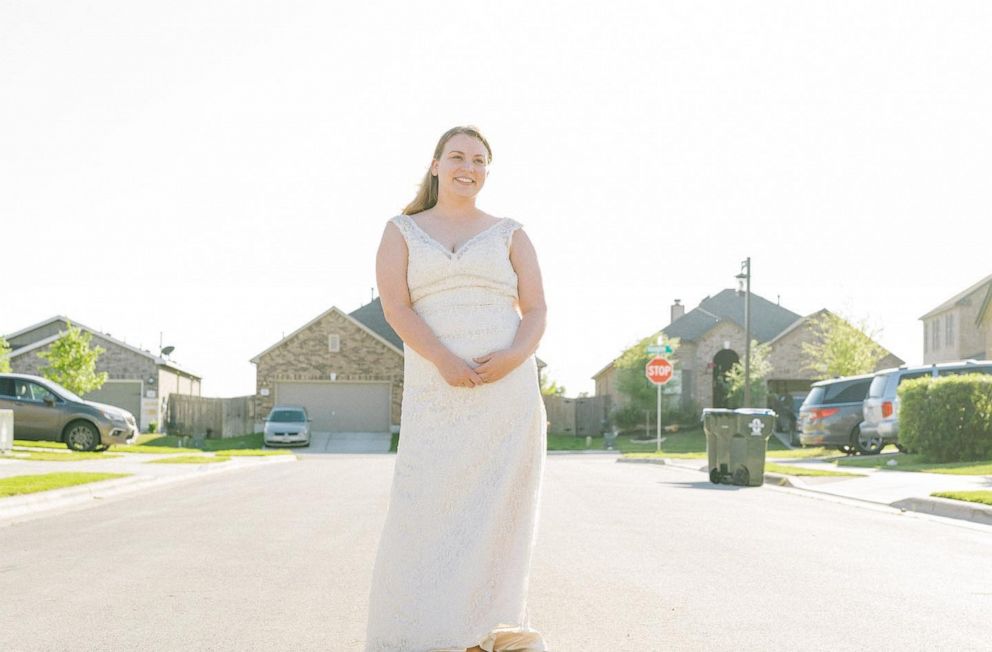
72, 362
840, 348
551, 388
4, 356
641, 393
760, 368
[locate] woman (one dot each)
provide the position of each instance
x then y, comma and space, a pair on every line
463, 290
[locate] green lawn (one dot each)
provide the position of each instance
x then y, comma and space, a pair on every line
916, 463
983, 497
686, 443
47, 456
26, 484
796, 470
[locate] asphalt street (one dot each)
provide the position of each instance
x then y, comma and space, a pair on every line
629, 557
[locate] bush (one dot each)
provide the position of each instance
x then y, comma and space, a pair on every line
947, 419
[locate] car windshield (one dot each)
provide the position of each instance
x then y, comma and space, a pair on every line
287, 416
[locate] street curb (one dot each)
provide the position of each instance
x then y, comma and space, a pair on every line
15, 506
959, 509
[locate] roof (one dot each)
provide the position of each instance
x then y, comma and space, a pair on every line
160, 361
332, 309
953, 301
373, 317
767, 319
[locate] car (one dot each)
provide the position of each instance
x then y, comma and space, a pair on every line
44, 410
881, 408
831, 415
287, 425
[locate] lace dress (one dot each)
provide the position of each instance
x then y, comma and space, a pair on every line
451, 571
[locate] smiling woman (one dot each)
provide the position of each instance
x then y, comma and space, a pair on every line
463, 289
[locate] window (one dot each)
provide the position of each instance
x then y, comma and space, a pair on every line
6, 387
28, 391
334, 343
935, 334
847, 392
949, 329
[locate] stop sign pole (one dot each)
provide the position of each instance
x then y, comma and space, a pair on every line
659, 371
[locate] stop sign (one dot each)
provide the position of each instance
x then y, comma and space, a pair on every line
658, 371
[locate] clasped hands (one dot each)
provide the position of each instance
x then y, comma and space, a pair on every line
491, 367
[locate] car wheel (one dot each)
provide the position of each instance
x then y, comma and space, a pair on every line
742, 477
867, 444
81, 436
847, 449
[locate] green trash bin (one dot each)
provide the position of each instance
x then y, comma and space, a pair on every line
719, 425
736, 441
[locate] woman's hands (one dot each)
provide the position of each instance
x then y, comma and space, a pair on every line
457, 372
497, 364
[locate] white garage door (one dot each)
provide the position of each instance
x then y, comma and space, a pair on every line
340, 407
124, 394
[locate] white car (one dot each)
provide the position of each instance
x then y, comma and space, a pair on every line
287, 425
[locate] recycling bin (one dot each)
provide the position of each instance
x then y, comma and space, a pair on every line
738, 443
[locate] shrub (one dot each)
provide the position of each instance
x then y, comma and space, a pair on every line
947, 419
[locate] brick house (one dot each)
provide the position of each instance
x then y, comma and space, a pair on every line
137, 380
711, 340
960, 328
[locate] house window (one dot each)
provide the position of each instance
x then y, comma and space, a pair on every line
935, 334
949, 329
334, 343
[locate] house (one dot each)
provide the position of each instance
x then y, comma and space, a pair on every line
137, 380
345, 368
711, 339
961, 327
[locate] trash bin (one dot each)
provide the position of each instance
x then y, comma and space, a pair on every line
736, 448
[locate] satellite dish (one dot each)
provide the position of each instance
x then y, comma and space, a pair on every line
167, 350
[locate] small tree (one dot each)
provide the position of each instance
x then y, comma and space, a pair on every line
840, 348
551, 388
72, 362
632, 383
760, 368
4, 356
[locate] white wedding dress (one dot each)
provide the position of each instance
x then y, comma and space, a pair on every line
451, 571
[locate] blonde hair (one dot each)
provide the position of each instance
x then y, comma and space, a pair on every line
427, 193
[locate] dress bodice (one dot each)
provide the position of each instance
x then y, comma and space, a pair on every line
479, 272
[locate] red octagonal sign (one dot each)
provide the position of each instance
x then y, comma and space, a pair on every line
658, 371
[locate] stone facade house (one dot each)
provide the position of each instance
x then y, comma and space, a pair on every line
711, 339
959, 328
137, 380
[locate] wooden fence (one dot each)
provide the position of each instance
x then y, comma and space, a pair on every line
198, 416
576, 416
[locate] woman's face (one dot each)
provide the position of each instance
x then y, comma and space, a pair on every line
462, 168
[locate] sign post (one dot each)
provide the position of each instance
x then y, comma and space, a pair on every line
659, 372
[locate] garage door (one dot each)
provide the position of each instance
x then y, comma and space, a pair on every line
124, 394
340, 407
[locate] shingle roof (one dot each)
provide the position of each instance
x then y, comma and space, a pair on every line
767, 319
953, 301
372, 316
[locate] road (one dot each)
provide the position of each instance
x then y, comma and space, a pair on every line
629, 557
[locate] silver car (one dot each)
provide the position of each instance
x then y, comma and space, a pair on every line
44, 410
287, 425
881, 408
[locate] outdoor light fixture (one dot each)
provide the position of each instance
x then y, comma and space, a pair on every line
744, 286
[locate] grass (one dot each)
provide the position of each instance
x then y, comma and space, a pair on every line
796, 470
191, 459
27, 484
46, 456
157, 443
983, 497
686, 443
917, 464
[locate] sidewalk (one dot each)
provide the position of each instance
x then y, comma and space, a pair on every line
144, 476
904, 490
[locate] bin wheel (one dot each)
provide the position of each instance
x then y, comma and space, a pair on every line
742, 476
715, 476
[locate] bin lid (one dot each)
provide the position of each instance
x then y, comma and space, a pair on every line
755, 411
717, 411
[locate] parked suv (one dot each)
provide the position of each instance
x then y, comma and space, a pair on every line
881, 408
46, 410
831, 415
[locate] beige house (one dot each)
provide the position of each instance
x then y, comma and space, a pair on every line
712, 340
137, 380
961, 327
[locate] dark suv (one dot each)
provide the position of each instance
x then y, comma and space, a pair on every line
831, 415
48, 411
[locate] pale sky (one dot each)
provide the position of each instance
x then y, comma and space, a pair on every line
222, 171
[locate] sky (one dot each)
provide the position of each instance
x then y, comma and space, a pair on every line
214, 175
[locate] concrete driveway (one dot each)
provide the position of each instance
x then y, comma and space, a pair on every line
346, 442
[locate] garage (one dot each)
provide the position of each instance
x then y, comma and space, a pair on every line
340, 406
125, 394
